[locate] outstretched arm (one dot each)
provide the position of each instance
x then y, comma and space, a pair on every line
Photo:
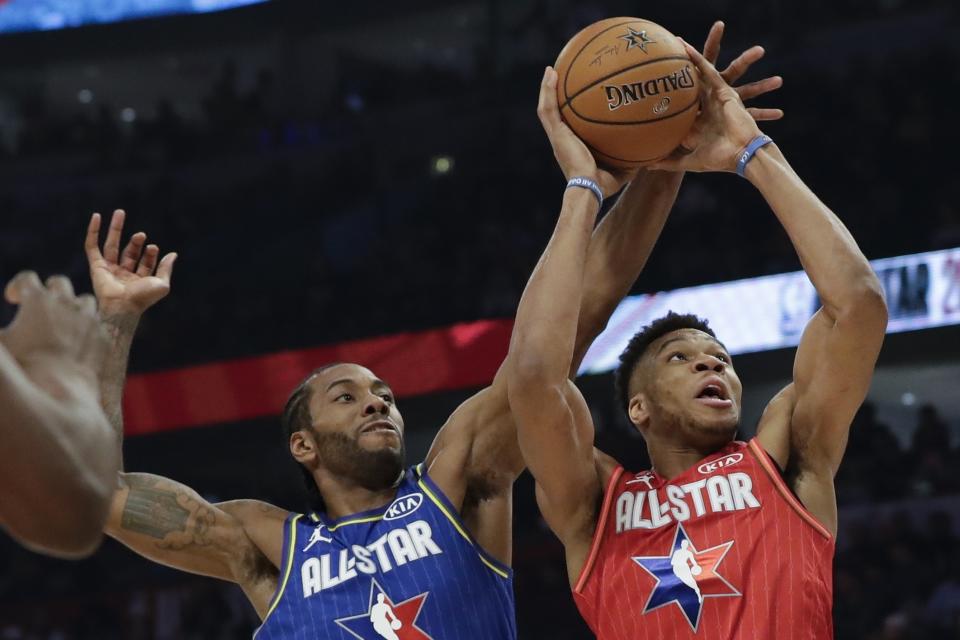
60, 459
125, 285
171, 524
158, 518
809, 422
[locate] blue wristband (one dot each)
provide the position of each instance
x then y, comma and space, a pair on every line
587, 183
748, 153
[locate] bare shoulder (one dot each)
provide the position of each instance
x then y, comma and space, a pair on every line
263, 524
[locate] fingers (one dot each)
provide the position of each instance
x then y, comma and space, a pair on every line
60, 285
111, 248
165, 270
133, 251
711, 48
22, 285
149, 261
761, 115
742, 63
708, 73
758, 88
91, 244
547, 109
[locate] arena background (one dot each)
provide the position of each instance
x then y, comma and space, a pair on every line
369, 180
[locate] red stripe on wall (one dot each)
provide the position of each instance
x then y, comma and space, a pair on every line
460, 356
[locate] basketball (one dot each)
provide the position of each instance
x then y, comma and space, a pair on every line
627, 89
395, 624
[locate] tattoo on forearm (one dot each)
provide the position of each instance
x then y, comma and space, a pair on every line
167, 513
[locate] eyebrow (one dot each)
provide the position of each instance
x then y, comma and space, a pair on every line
377, 383
680, 339
341, 381
664, 345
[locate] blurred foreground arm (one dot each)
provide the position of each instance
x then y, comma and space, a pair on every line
60, 457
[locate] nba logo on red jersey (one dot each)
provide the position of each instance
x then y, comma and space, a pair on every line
710, 553
686, 577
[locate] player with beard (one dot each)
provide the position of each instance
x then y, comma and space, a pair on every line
752, 524
433, 540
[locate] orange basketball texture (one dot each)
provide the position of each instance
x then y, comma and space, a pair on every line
628, 89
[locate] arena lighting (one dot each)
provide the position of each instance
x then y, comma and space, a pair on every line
441, 165
45, 15
760, 314
756, 314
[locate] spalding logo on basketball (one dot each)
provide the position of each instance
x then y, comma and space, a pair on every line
628, 89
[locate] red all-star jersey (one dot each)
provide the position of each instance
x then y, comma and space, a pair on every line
723, 551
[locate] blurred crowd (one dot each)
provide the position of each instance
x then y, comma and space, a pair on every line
403, 188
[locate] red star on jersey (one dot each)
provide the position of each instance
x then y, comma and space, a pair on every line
384, 619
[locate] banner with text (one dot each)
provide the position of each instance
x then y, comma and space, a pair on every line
770, 312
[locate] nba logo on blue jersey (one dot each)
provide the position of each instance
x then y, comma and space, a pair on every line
686, 577
384, 619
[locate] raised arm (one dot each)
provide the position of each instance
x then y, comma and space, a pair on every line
475, 457
60, 459
125, 285
554, 427
158, 518
840, 345
809, 422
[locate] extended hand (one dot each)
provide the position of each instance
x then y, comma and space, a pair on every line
738, 68
571, 153
725, 126
131, 282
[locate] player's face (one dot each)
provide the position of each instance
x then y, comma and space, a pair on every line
689, 391
356, 424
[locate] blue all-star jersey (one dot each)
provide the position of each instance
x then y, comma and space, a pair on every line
407, 571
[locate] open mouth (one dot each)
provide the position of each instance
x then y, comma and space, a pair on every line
714, 394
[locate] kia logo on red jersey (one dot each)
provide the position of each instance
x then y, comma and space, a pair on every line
728, 461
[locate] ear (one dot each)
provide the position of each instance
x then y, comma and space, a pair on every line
302, 447
638, 410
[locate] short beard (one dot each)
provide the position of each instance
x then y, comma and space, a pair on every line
715, 435
372, 470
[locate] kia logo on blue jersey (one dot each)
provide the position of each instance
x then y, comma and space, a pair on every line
403, 506
728, 461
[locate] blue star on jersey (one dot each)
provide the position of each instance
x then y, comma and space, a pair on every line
385, 620
686, 577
